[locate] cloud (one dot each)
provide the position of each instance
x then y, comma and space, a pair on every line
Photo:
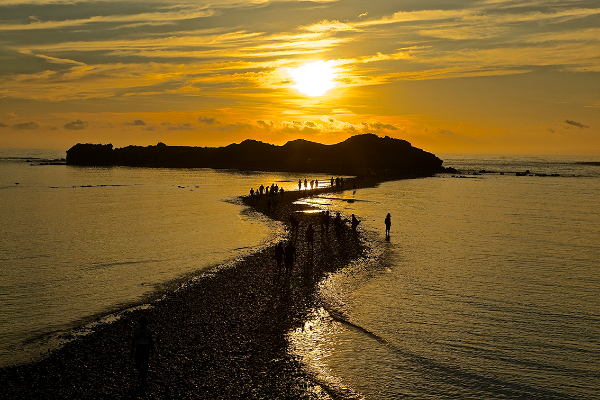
239, 126
329, 26
148, 18
207, 120
446, 132
298, 127
181, 126
3, 125
26, 126
137, 122
377, 126
76, 125
266, 124
577, 124
342, 111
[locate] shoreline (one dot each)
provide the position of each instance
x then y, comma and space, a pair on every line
221, 335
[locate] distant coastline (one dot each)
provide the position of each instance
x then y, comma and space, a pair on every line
360, 155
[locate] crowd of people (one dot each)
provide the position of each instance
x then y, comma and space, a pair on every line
285, 255
314, 184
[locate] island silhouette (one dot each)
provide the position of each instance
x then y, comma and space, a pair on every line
358, 155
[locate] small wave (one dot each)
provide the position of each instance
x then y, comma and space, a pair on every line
451, 374
98, 266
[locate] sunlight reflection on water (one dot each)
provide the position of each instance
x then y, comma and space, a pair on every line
486, 289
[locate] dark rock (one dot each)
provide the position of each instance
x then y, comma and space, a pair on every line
359, 155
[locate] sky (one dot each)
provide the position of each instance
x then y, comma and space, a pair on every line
449, 76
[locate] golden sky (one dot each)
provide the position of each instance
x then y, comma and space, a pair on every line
449, 76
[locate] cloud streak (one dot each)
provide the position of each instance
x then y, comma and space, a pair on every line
76, 125
576, 124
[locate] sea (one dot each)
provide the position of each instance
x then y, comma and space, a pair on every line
488, 286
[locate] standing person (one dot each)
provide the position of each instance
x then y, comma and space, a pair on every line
310, 237
279, 257
355, 223
142, 346
323, 216
289, 258
299, 184
338, 224
388, 225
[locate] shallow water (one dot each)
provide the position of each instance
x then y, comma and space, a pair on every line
487, 288
77, 243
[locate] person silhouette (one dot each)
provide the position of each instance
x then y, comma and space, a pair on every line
295, 223
279, 257
338, 223
289, 257
388, 225
310, 237
355, 223
322, 221
142, 346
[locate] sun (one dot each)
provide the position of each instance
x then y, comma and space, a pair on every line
314, 78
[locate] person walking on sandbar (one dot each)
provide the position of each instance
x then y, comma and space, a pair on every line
388, 225
355, 223
142, 346
310, 237
279, 257
289, 257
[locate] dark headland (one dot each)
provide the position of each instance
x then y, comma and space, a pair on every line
359, 155
223, 335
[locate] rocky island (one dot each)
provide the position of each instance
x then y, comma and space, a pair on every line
360, 155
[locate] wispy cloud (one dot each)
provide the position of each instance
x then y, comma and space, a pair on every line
26, 126
576, 124
137, 122
152, 18
76, 125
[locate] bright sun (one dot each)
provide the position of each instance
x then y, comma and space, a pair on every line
315, 78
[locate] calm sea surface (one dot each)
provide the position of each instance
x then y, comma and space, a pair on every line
78, 243
489, 286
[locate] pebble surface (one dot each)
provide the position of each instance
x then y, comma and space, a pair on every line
221, 336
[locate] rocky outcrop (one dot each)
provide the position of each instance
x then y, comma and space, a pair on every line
358, 155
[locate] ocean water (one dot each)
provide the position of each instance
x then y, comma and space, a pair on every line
81, 243
488, 287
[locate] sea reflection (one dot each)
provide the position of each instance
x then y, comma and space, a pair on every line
313, 344
487, 288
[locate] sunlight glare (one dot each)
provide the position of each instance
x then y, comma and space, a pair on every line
314, 78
